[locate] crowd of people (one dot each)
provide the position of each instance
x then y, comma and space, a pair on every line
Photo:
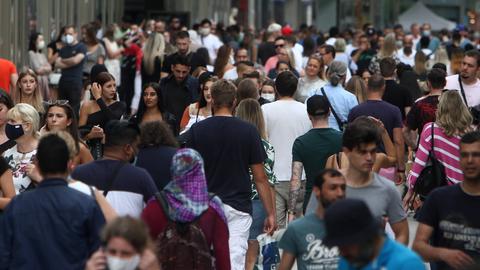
155, 146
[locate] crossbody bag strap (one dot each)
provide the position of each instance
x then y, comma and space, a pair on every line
462, 91
112, 178
339, 122
432, 152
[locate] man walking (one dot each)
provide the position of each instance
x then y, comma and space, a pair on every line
52, 226
230, 147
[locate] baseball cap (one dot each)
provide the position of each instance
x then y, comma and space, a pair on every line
287, 30
349, 221
318, 105
274, 27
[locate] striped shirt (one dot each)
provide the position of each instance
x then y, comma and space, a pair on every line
447, 152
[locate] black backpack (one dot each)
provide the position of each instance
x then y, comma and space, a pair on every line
432, 176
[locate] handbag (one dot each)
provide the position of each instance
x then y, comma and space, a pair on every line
432, 176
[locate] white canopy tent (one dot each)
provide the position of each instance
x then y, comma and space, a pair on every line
419, 13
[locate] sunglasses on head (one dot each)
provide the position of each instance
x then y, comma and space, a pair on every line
60, 102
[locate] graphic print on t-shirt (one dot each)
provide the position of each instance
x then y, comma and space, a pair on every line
319, 256
456, 231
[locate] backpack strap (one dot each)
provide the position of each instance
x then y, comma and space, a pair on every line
335, 115
112, 178
462, 91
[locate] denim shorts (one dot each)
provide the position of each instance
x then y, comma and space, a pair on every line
258, 218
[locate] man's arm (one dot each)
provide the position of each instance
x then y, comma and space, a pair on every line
263, 188
74, 60
295, 185
454, 258
401, 231
287, 261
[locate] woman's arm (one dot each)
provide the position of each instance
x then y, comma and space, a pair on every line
107, 209
84, 155
8, 190
389, 159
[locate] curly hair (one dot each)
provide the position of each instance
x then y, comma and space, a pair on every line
156, 133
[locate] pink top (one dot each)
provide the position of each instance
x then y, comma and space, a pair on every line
447, 152
271, 63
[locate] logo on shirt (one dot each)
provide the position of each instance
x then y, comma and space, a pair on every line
317, 253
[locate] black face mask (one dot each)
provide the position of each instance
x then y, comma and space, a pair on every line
407, 50
14, 132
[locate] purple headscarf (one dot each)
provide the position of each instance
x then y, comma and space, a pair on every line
187, 193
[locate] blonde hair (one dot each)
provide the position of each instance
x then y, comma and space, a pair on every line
68, 139
356, 85
452, 114
27, 114
37, 101
321, 70
249, 110
389, 47
154, 47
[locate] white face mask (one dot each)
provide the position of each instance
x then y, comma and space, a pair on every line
204, 31
67, 39
116, 263
268, 96
40, 45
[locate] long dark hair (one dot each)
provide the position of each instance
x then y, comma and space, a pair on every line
32, 43
142, 108
73, 128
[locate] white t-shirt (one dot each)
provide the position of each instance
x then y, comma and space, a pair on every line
472, 91
409, 60
285, 120
231, 74
212, 43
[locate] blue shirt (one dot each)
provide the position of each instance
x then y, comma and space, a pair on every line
341, 100
50, 227
393, 256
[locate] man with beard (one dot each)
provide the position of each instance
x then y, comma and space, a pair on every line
303, 238
407, 53
467, 79
448, 235
361, 241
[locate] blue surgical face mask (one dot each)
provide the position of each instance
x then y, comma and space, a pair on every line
14, 132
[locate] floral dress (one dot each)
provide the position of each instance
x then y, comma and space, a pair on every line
18, 163
268, 166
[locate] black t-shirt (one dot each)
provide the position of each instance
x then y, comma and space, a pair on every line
423, 111
155, 76
397, 95
73, 72
192, 58
384, 111
157, 161
228, 146
265, 51
454, 216
364, 59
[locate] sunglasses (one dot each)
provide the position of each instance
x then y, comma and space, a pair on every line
279, 45
60, 102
